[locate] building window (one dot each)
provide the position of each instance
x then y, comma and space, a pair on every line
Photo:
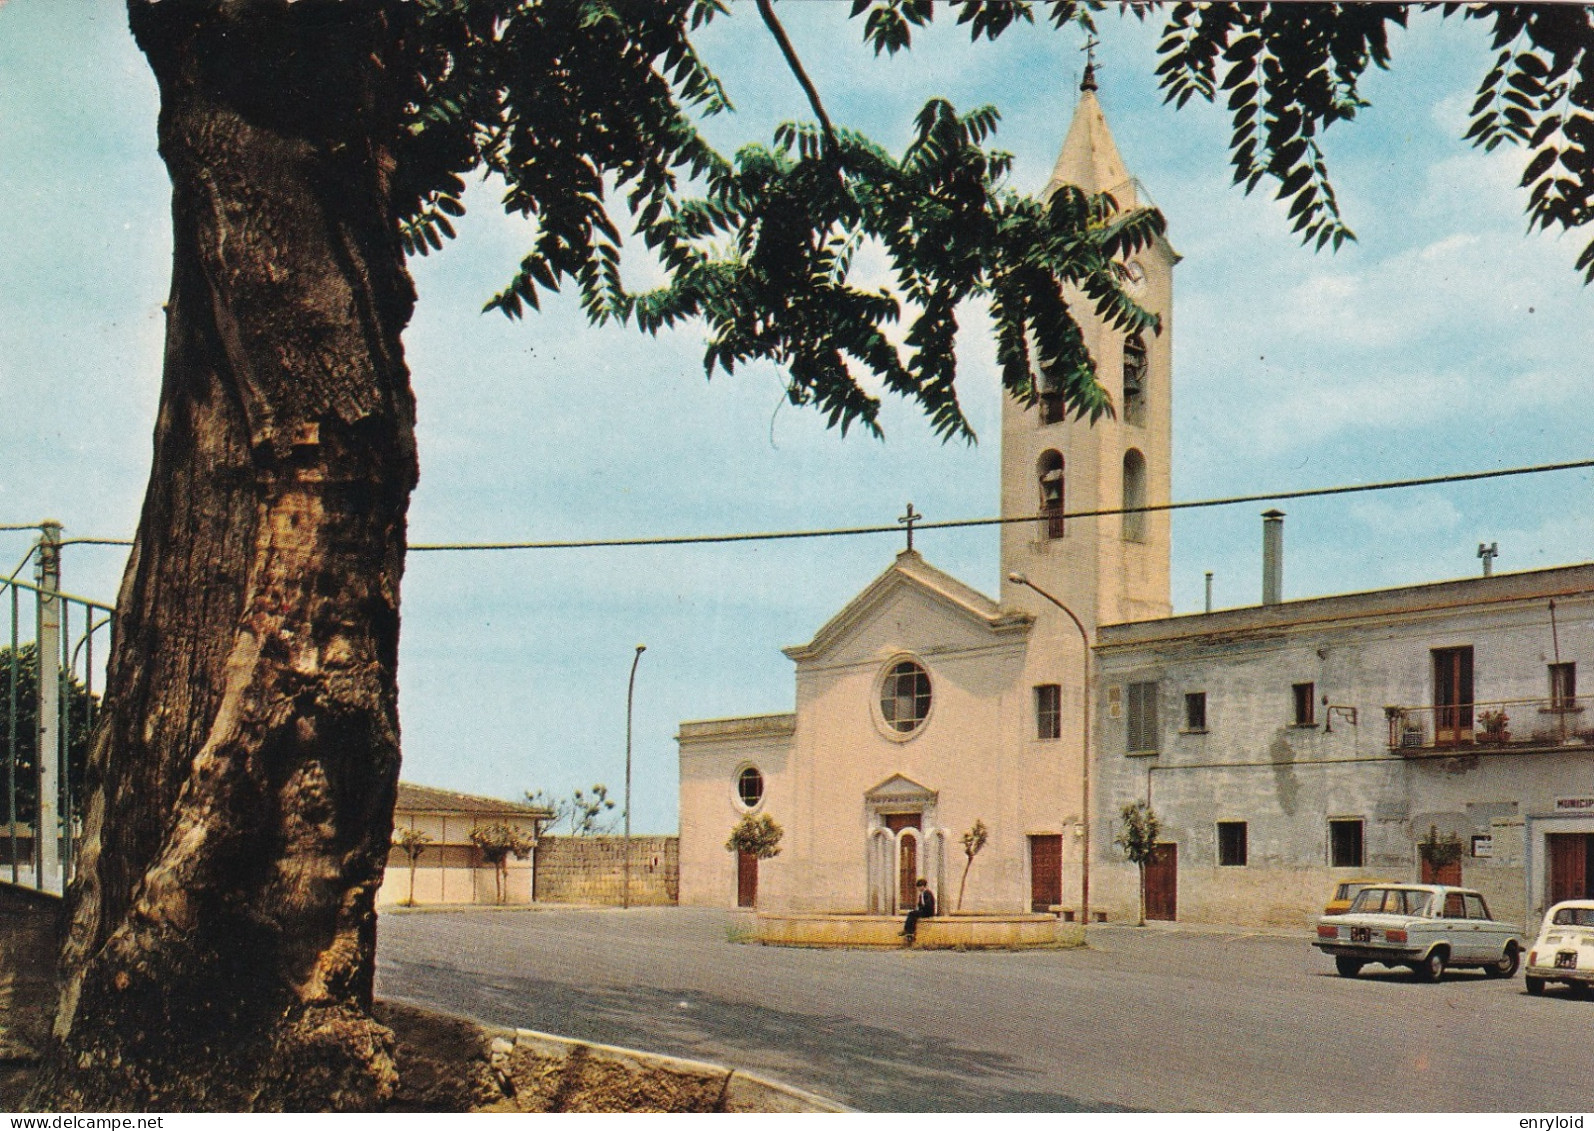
1452, 695
1142, 718
750, 787
1050, 395
1134, 496
1135, 381
905, 696
1195, 710
1231, 844
1305, 704
1345, 843
1563, 686
1050, 473
1048, 711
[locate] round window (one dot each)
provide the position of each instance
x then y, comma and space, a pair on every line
750, 787
905, 696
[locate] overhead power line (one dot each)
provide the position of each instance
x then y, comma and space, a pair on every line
949, 524
953, 524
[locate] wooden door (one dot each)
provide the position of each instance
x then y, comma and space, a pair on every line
1452, 696
1571, 873
907, 857
1162, 883
1444, 874
1045, 872
746, 879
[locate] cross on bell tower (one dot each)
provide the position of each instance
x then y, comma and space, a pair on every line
1089, 81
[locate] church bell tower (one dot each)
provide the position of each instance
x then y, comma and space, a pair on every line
1109, 568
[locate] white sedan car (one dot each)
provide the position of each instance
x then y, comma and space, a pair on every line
1426, 927
1564, 951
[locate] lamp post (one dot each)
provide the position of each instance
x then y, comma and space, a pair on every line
630, 690
1084, 730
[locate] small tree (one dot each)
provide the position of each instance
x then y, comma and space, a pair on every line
498, 842
580, 811
756, 836
413, 842
973, 841
1138, 841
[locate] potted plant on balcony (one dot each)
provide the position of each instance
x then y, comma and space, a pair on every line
1492, 727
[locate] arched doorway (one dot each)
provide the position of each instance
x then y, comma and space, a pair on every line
906, 827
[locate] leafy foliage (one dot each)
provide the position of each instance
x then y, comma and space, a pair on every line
1540, 94
412, 842
497, 842
1290, 71
1137, 835
580, 813
573, 101
758, 836
1137, 838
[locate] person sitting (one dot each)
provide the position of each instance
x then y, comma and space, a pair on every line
924, 909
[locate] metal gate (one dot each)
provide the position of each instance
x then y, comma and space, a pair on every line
49, 661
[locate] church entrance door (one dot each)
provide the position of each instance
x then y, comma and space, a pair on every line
907, 855
1045, 872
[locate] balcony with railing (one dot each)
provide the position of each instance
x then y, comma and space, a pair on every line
1508, 724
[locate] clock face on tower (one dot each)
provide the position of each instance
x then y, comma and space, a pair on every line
1135, 274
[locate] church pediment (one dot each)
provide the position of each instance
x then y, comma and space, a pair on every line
912, 596
899, 790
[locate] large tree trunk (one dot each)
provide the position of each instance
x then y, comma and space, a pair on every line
223, 929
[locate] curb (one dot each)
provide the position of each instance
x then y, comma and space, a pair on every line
740, 1091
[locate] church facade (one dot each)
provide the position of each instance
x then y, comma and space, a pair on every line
923, 706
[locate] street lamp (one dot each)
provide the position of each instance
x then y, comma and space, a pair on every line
630, 690
1084, 730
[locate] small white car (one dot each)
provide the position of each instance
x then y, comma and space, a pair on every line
1564, 951
1426, 927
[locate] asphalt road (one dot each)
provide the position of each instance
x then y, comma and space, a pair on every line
1145, 1019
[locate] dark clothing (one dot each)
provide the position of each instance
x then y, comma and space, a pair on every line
924, 910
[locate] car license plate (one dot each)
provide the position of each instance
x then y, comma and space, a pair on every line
1363, 934
1566, 960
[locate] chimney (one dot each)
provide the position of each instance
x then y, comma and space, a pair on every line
1272, 557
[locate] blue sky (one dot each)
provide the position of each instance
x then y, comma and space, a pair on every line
1447, 339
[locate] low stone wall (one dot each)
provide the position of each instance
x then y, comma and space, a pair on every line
590, 869
967, 932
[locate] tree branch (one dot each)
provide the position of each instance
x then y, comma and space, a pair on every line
766, 9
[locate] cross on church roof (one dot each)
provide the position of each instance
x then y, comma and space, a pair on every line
909, 519
1089, 81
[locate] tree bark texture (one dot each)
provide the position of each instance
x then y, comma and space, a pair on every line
221, 949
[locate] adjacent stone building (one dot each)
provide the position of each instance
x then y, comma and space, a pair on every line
1290, 745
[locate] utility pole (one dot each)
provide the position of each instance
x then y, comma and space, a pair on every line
630, 690
47, 656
